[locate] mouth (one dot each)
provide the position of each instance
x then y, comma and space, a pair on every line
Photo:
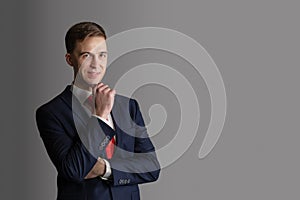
92, 74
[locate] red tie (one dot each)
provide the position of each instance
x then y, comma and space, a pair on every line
110, 148
89, 103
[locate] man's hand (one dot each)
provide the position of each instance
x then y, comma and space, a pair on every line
104, 100
98, 169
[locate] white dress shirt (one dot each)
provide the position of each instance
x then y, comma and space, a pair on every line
82, 96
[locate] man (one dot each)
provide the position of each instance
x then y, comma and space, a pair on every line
96, 139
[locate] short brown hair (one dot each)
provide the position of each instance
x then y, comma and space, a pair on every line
80, 31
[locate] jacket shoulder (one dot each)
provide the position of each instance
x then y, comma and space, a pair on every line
56, 101
124, 99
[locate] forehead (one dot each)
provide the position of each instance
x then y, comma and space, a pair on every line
91, 44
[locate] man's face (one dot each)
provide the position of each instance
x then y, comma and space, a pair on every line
89, 60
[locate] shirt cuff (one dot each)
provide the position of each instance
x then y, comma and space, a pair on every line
102, 119
107, 170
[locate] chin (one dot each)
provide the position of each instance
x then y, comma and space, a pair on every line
92, 82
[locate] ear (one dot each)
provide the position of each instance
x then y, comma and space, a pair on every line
69, 59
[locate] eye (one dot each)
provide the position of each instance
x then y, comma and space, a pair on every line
85, 55
103, 55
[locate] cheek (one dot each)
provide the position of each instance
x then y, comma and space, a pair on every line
82, 70
83, 65
105, 64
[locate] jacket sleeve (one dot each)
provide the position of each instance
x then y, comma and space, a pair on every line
141, 165
70, 156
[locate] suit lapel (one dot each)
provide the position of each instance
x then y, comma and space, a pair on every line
76, 108
122, 120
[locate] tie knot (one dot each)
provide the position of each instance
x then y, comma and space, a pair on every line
90, 99
89, 103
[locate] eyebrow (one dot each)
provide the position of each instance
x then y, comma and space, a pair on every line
81, 53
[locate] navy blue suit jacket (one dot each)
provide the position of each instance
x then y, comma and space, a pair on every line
74, 140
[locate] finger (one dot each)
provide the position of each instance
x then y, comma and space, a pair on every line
112, 93
100, 84
106, 90
101, 88
97, 87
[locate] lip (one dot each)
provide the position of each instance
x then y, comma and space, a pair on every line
93, 74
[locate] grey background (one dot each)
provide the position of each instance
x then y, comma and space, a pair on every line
254, 43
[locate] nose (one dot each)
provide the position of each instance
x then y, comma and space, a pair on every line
95, 62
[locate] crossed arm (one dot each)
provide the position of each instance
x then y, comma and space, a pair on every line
74, 161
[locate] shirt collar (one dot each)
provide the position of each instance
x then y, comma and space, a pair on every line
80, 94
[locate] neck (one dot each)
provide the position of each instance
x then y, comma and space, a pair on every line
83, 86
